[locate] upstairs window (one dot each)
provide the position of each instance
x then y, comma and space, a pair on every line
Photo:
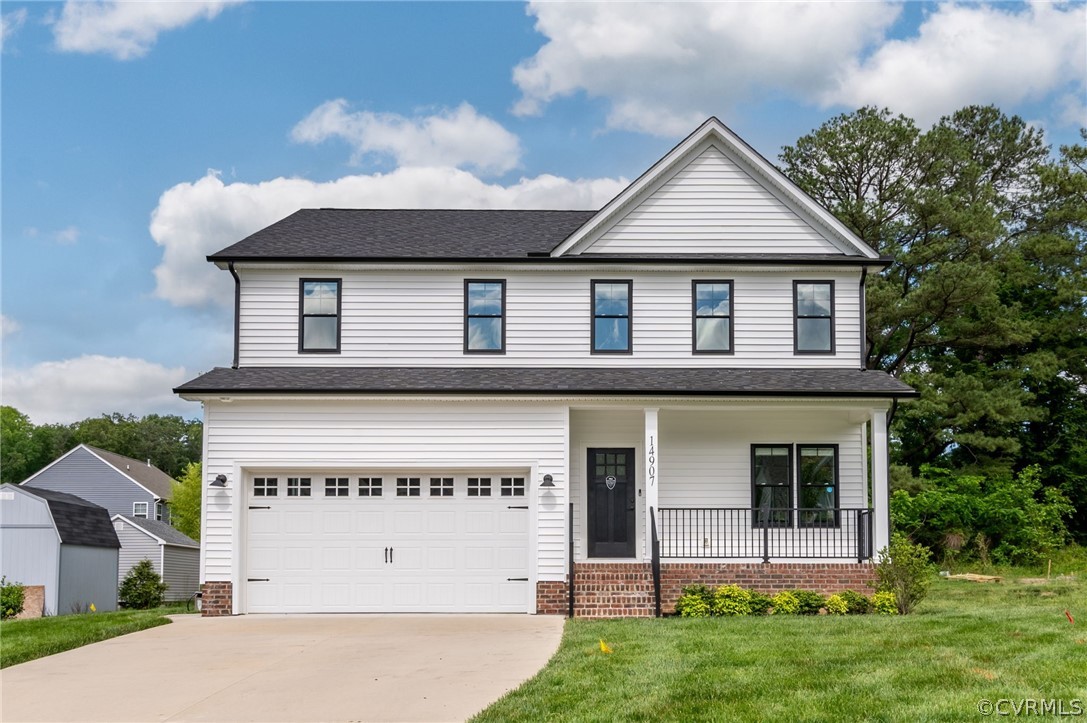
139, 509
484, 317
712, 302
813, 302
319, 316
611, 317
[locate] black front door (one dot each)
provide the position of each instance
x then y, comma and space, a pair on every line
611, 502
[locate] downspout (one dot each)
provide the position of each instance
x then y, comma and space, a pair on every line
238, 312
864, 321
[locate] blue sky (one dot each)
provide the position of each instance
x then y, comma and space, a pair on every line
137, 138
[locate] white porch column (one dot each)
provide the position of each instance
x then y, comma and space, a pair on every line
881, 488
652, 494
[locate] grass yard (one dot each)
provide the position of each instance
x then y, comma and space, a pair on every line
966, 642
23, 640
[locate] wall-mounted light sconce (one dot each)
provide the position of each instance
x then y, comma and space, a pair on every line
548, 481
219, 481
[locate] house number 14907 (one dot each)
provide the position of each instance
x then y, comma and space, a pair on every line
652, 468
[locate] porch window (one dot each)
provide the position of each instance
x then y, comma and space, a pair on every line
484, 317
818, 485
813, 304
772, 485
319, 316
712, 305
611, 317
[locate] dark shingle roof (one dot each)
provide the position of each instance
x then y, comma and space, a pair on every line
610, 381
158, 482
78, 521
342, 233
161, 530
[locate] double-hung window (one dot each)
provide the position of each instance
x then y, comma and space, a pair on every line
611, 330
139, 509
712, 304
772, 485
484, 316
813, 304
319, 316
818, 484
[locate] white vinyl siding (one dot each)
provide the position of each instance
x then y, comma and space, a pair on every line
334, 438
416, 318
711, 205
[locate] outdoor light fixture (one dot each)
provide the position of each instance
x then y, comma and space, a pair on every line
219, 481
547, 481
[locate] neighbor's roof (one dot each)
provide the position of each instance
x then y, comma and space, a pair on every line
154, 479
610, 381
164, 532
78, 521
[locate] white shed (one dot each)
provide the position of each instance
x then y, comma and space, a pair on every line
174, 555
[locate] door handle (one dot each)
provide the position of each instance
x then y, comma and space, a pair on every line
390, 554
386, 555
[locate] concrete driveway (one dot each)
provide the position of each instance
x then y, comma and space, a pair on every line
287, 668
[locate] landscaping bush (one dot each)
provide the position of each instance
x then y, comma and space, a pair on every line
904, 569
695, 602
858, 603
731, 600
760, 603
884, 603
836, 605
810, 601
785, 603
12, 596
142, 587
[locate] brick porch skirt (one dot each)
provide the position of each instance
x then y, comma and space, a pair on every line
216, 599
619, 590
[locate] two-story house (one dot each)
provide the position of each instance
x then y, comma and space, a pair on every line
546, 411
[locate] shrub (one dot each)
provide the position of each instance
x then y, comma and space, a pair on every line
760, 603
785, 603
692, 606
142, 587
810, 601
731, 600
884, 603
12, 596
857, 603
836, 605
904, 569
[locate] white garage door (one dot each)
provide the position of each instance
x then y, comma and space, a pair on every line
401, 542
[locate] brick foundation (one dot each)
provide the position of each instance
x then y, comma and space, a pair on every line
217, 599
626, 589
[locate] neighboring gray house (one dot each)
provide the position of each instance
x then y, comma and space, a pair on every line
175, 556
124, 486
62, 542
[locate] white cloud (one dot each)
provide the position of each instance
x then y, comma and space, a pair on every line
966, 54
8, 325
458, 138
125, 30
10, 24
67, 391
665, 67
67, 236
195, 219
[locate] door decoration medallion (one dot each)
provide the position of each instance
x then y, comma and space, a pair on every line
610, 482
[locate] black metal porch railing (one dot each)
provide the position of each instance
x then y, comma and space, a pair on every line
655, 562
766, 534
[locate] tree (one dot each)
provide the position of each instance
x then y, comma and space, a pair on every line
141, 587
19, 451
185, 506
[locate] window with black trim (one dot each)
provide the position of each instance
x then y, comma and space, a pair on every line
441, 486
319, 315
712, 311
772, 485
370, 486
484, 316
139, 509
479, 486
813, 305
611, 330
298, 486
407, 487
337, 487
513, 486
265, 486
817, 484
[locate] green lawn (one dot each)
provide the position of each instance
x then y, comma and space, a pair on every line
966, 642
23, 640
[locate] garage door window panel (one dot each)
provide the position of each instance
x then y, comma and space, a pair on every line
441, 486
513, 486
370, 486
408, 487
336, 486
265, 486
479, 486
298, 486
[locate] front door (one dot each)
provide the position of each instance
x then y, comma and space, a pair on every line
611, 502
